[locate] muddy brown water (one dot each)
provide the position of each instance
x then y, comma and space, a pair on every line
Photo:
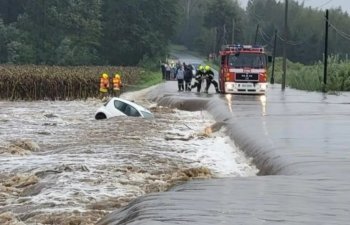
300, 144
60, 166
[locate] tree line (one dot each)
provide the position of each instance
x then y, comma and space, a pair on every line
85, 32
133, 32
224, 21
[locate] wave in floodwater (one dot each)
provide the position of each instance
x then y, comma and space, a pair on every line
60, 166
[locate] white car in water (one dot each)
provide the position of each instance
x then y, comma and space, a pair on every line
121, 107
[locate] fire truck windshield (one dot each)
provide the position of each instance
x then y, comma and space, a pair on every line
250, 60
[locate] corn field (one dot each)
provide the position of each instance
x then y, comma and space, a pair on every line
31, 82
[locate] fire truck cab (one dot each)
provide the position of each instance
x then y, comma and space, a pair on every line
243, 69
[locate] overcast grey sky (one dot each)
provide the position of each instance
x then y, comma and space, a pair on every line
321, 4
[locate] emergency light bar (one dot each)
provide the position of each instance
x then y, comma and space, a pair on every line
239, 47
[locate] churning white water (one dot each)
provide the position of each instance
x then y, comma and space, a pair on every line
55, 159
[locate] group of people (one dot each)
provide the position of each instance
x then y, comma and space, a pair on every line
110, 86
183, 74
168, 70
184, 77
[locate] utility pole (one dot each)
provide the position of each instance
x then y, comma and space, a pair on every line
188, 9
273, 58
325, 54
256, 34
233, 31
215, 38
285, 46
224, 41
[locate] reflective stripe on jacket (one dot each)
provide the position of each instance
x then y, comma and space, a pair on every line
117, 84
104, 85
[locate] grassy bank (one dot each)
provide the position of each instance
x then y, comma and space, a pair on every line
146, 79
31, 82
310, 77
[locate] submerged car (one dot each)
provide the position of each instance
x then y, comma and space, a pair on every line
121, 107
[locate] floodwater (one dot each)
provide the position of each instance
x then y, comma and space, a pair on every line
298, 140
60, 166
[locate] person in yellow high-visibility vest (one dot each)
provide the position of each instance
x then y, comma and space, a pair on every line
104, 86
117, 85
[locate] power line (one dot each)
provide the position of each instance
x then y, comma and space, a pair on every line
326, 3
288, 42
320, 6
338, 31
341, 33
263, 37
294, 43
267, 36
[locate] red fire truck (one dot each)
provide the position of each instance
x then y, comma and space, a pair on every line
243, 69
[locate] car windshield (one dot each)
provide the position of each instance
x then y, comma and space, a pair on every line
147, 114
250, 60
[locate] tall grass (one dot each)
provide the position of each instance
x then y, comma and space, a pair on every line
310, 77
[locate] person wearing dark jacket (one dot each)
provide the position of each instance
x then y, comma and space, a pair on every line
167, 71
162, 67
188, 77
209, 76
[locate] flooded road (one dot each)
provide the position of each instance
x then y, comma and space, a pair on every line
60, 166
299, 142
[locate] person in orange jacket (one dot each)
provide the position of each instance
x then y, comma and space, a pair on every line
104, 86
117, 85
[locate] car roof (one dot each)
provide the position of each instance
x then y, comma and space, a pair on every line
138, 107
